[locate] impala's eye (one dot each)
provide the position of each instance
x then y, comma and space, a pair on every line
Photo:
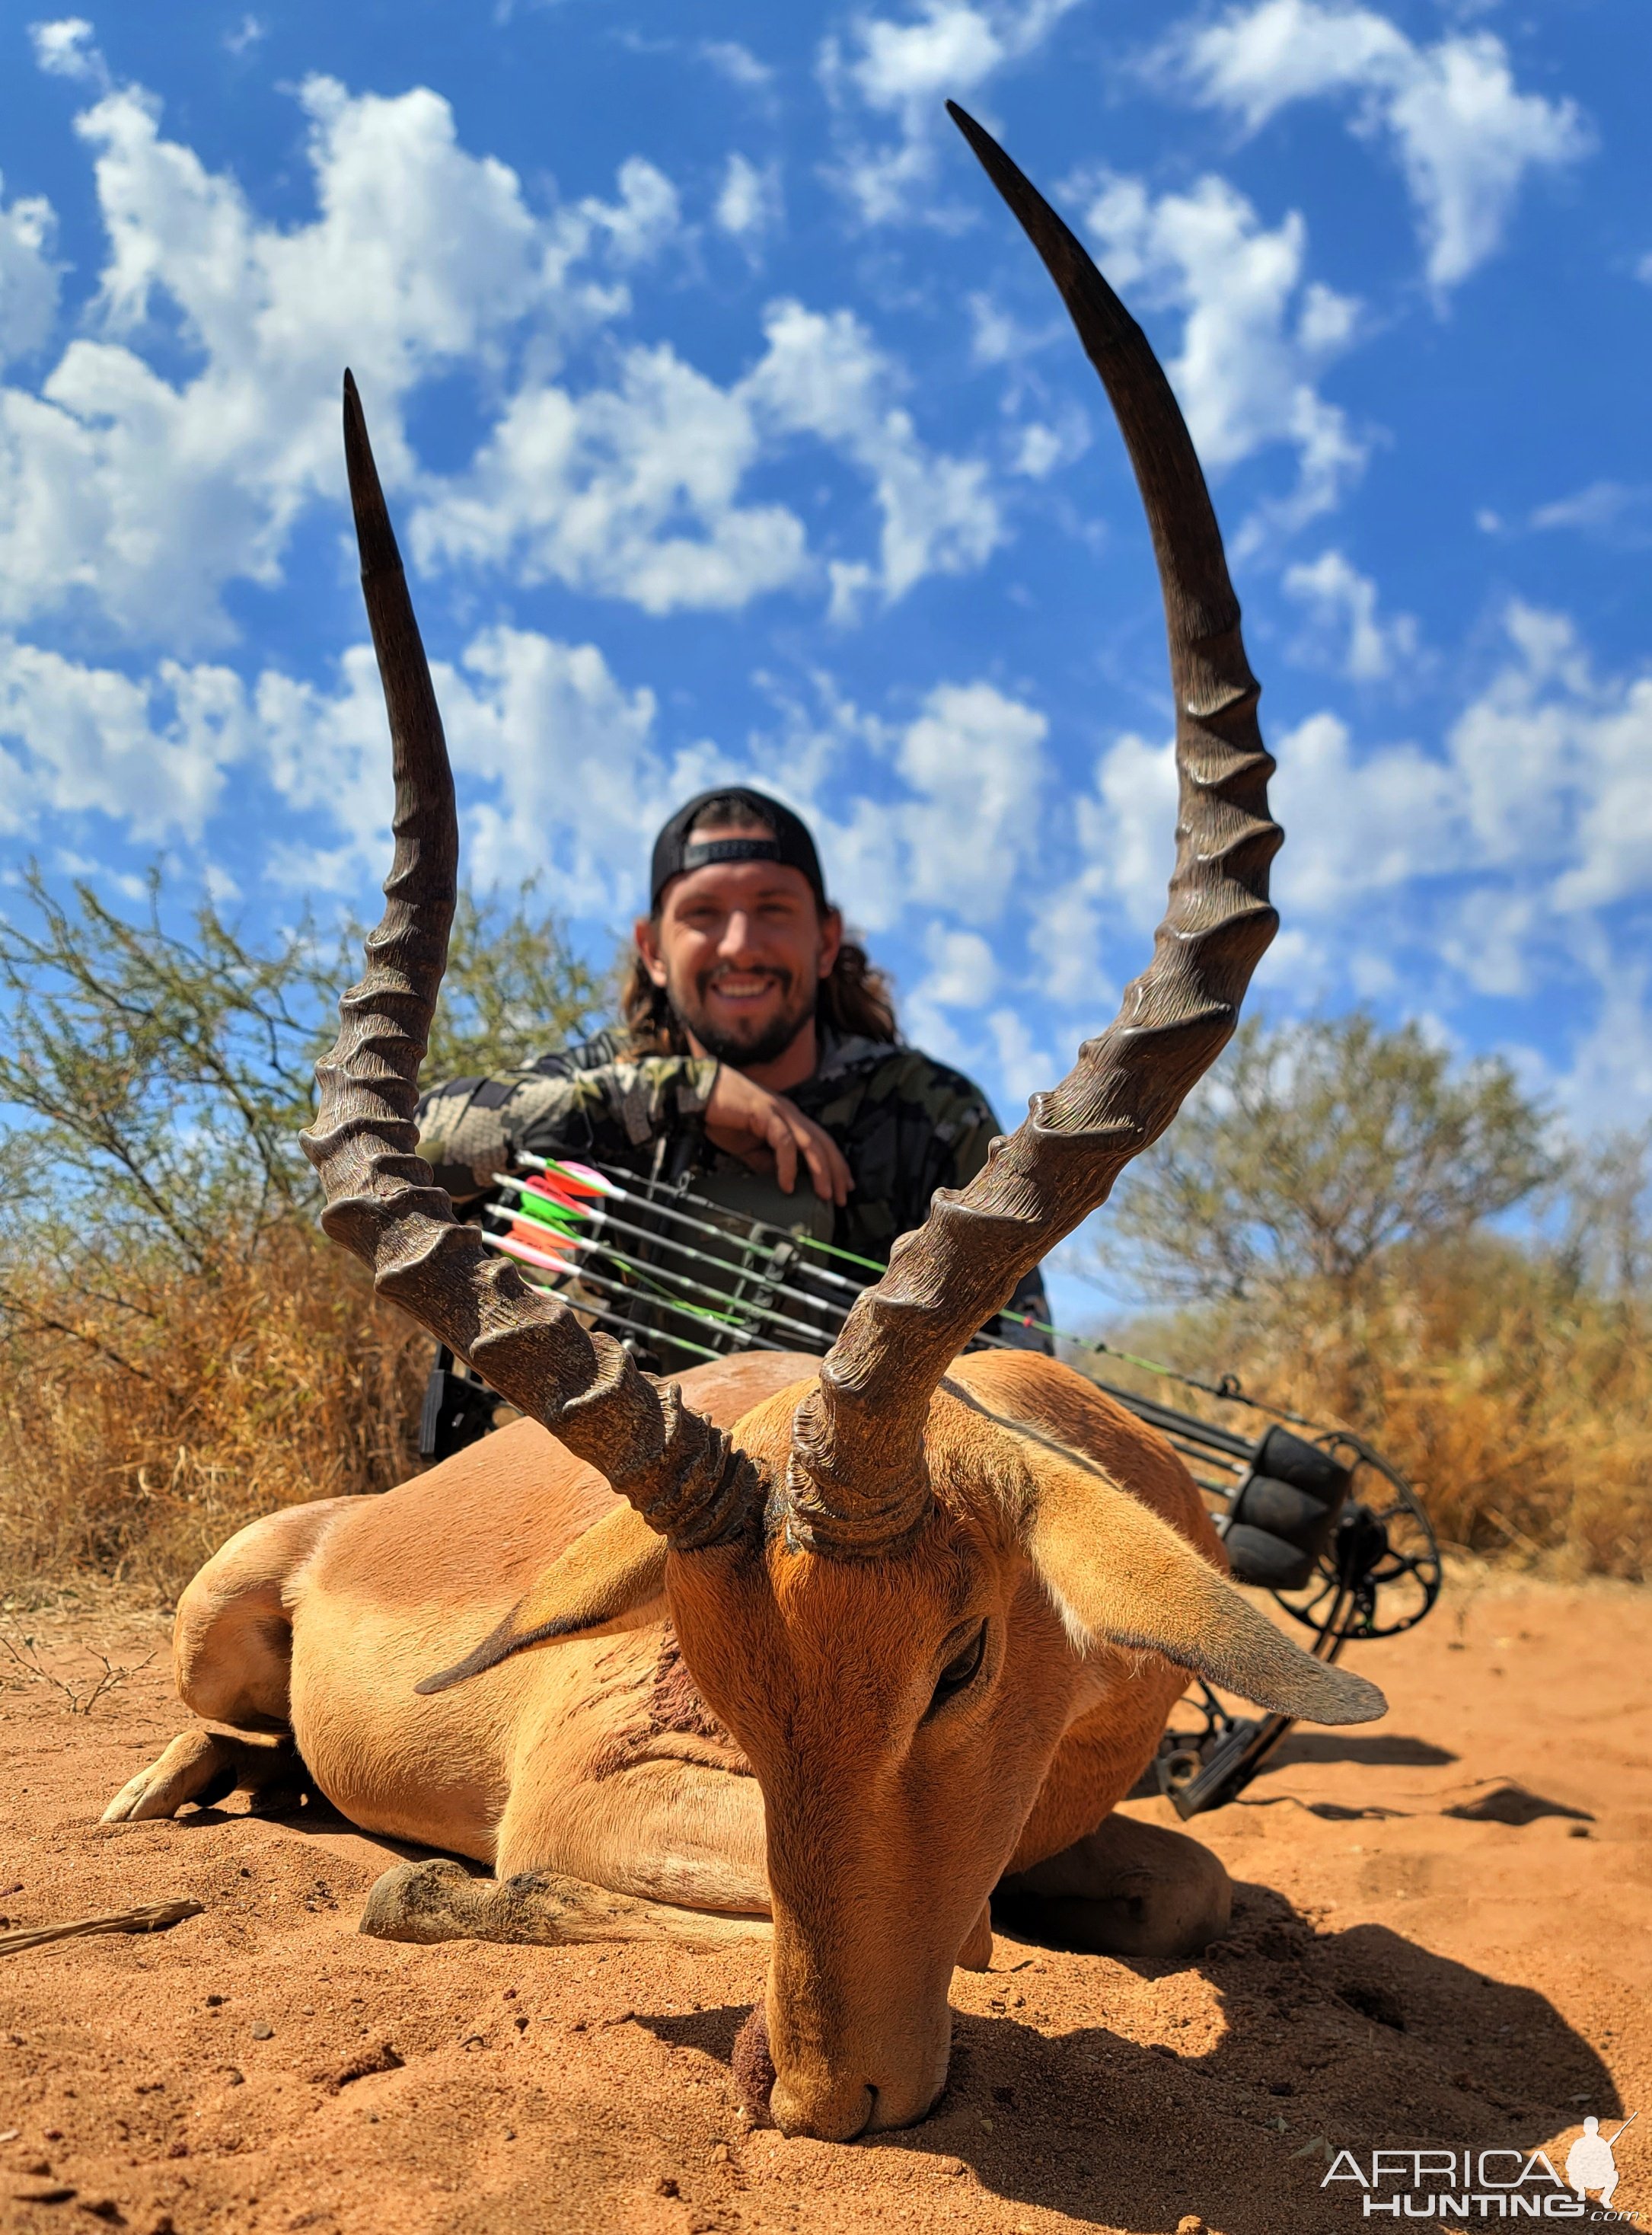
962, 1669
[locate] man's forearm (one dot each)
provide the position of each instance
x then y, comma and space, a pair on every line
470, 1128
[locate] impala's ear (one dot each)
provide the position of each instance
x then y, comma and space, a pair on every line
1117, 1572
618, 1564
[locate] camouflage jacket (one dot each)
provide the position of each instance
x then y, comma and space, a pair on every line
905, 1123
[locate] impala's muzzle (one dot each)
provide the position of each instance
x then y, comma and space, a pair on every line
858, 2018
824, 2093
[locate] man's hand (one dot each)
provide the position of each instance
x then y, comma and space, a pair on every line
766, 1130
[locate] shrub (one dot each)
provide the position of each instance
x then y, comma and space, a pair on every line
182, 1350
138, 1432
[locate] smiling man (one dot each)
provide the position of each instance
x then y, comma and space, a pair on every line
757, 1055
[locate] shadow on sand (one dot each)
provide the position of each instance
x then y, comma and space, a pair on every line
1376, 1749
1357, 2040
303, 1810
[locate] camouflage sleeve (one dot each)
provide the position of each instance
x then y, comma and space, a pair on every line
962, 1127
469, 1128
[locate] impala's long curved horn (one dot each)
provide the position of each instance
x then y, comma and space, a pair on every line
857, 1484
381, 1201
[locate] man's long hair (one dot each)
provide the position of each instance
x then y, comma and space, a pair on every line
855, 1001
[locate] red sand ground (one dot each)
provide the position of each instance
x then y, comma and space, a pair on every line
1399, 1975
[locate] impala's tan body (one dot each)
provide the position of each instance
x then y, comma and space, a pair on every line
594, 1757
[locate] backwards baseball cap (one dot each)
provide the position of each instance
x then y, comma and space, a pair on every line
785, 838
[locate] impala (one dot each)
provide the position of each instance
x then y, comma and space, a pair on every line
822, 1651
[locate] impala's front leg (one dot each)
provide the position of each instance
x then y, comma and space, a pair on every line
439, 1900
663, 1829
204, 1765
664, 1850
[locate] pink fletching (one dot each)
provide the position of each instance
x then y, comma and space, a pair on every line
515, 1248
580, 1179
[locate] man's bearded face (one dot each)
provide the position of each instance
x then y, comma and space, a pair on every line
743, 946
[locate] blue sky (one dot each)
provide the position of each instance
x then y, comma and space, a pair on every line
732, 428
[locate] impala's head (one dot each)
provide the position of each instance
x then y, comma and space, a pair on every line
873, 1577
898, 1712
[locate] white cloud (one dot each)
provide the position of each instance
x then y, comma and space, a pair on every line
1257, 332
561, 766
963, 971
68, 48
150, 752
1065, 940
748, 207
28, 278
1554, 759
1609, 1083
737, 64
1358, 823
946, 854
120, 490
996, 337
822, 375
1123, 874
1025, 1067
946, 1011
133, 499
1123, 827
590, 805
902, 69
1497, 852
1464, 134
898, 67
1039, 447
1038, 450
627, 492
1345, 623
1126, 826
1489, 937
961, 829
1501, 851
1536, 808
558, 764
323, 753
634, 491
1053, 434
1613, 512
973, 758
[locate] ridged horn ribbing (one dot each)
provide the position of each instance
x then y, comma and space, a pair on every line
381, 1201
856, 1484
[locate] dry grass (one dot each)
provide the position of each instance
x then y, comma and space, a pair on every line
137, 1435
1517, 1405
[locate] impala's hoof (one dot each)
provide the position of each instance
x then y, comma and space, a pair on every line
128, 1805
202, 1766
422, 1902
